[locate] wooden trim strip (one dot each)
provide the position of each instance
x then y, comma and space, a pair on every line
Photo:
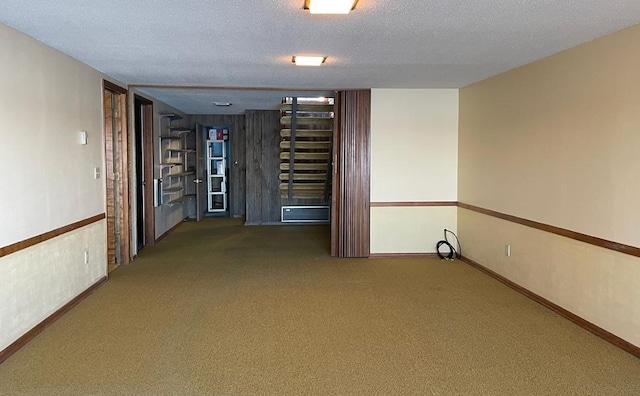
27, 243
412, 204
600, 332
603, 243
114, 87
403, 255
39, 328
142, 99
169, 231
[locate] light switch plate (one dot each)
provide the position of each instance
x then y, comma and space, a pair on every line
96, 172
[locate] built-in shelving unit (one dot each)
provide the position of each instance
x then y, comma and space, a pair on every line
217, 175
174, 170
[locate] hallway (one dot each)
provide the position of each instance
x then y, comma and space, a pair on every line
222, 308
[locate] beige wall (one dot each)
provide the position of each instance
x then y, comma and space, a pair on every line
414, 151
39, 280
557, 142
47, 98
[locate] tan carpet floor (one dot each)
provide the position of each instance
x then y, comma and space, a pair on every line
221, 309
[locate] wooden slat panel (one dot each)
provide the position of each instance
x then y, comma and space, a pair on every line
305, 156
305, 176
351, 185
305, 196
286, 120
309, 133
304, 186
110, 202
306, 145
302, 167
310, 108
312, 148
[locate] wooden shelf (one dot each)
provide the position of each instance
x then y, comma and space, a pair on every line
180, 174
170, 115
181, 200
181, 150
180, 129
171, 190
170, 137
167, 165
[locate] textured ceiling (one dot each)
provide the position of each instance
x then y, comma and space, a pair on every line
382, 44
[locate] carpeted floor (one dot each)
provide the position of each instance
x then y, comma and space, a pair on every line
221, 309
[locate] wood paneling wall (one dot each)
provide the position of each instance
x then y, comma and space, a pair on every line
117, 174
350, 235
238, 164
263, 166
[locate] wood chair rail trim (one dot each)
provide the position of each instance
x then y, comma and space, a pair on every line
27, 243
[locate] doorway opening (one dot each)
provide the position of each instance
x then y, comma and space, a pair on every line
145, 216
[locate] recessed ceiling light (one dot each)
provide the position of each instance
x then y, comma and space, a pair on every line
222, 104
300, 60
330, 6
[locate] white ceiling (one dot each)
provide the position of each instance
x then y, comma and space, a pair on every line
382, 44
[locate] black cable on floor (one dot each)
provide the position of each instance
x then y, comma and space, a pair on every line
452, 251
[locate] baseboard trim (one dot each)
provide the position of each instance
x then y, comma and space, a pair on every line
39, 328
600, 332
169, 231
403, 255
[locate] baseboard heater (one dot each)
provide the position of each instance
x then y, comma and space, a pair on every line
306, 214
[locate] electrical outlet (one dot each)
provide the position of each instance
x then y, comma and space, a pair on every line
86, 257
507, 250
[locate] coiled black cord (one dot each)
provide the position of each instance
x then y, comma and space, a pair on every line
452, 250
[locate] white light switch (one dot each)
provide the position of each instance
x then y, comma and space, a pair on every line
84, 137
96, 172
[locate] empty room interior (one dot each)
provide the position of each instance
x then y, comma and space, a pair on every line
282, 197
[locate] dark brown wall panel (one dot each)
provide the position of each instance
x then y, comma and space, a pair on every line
254, 168
271, 166
263, 164
352, 170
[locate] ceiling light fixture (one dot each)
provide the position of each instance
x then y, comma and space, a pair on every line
330, 6
222, 104
300, 60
